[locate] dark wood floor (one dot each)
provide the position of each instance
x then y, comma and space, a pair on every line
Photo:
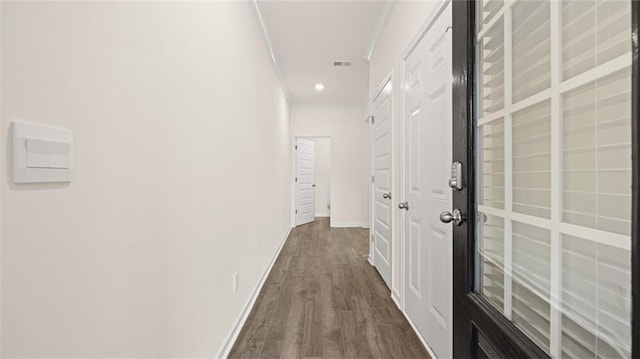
324, 300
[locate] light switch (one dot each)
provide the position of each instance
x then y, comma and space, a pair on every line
41, 153
47, 154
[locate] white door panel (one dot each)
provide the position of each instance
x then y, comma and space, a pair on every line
428, 261
305, 171
382, 205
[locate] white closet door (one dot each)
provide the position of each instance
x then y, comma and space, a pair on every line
305, 171
383, 206
428, 149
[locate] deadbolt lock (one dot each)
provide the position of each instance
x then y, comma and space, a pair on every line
455, 182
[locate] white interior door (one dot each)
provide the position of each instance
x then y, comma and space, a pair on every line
382, 205
428, 146
305, 168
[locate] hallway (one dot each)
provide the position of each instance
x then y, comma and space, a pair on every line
323, 299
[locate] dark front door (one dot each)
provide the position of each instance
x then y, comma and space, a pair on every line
545, 125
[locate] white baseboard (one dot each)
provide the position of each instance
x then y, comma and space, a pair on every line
415, 330
323, 214
346, 225
396, 299
365, 225
370, 261
235, 331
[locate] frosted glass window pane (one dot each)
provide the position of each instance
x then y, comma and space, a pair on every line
596, 299
597, 154
490, 256
491, 71
531, 282
592, 128
593, 32
531, 49
491, 162
532, 160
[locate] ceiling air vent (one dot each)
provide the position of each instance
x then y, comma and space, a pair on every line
342, 63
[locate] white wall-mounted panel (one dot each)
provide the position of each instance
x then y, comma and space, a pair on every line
41, 153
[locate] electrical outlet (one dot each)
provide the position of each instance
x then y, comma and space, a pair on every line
235, 282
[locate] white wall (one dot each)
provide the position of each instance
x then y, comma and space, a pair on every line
344, 125
175, 111
403, 24
322, 175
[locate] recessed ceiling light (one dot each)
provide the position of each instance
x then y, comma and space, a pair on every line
319, 87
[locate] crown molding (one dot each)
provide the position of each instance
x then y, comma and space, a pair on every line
378, 28
257, 10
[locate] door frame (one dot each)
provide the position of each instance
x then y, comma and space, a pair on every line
294, 170
372, 187
468, 304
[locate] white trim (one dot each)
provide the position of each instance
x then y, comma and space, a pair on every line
394, 184
415, 330
532, 220
620, 63
365, 226
395, 297
370, 262
403, 179
431, 19
255, 5
322, 215
380, 88
508, 165
595, 235
555, 244
346, 225
293, 182
378, 28
371, 187
223, 352
529, 101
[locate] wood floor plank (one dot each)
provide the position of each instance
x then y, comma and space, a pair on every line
294, 333
323, 299
332, 345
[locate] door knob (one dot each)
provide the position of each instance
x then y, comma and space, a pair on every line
313, 185
456, 217
386, 195
403, 205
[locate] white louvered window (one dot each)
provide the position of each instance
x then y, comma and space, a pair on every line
553, 109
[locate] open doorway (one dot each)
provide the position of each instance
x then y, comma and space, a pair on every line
312, 179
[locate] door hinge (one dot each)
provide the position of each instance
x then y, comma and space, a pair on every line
296, 211
373, 179
296, 179
373, 120
296, 147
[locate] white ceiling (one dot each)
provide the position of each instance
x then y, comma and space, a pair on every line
308, 36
